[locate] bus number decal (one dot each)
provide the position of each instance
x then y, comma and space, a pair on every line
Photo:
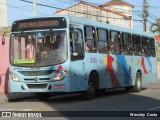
93, 60
103, 61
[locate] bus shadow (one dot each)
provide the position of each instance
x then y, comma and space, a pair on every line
109, 101
112, 100
76, 97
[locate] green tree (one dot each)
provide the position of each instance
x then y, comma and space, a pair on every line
155, 27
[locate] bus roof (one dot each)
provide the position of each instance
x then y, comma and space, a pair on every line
85, 21
108, 26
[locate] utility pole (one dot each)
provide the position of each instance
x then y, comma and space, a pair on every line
34, 7
145, 15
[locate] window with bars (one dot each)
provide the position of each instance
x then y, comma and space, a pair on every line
126, 44
136, 44
90, 40
114, 45
103, 43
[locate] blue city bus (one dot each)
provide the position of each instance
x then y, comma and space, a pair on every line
65, 54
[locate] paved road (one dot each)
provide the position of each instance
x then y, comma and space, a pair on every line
113, 100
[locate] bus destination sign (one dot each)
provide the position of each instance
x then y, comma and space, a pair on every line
39, 23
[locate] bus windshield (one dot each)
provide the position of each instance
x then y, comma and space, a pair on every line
42, 48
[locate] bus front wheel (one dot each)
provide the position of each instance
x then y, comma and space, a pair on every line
138, 83
43, 96
89, 94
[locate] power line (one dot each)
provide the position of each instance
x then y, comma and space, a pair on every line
18, 8
70, 10
135, 20
153, 16
43, 5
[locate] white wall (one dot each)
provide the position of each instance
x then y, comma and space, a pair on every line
96, 14
3, 14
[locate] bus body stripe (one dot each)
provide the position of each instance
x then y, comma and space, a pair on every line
149, 62
143, 66
123, 62
115, 82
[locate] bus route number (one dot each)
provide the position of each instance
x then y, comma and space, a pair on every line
93, 60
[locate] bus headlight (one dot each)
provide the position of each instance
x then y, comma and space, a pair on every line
61, 75
14, 76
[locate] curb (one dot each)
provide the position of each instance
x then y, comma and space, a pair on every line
8, 97
3, 98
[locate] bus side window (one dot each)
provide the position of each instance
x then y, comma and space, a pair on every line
90, 41
76, 44
145, 46
126, 44
79, 43
152, 47
103, 41
114, 42
136, 44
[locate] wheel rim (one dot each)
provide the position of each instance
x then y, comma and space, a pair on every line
138, 83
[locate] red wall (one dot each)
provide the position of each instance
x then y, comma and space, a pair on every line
4, 54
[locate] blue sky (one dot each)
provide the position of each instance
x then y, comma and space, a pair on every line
18, 9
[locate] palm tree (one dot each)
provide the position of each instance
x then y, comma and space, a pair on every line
155, 27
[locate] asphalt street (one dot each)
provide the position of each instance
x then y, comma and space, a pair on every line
112, 100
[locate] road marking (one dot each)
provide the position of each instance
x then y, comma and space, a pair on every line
33, 109
7, 109
39, 109
154, 108
27, 109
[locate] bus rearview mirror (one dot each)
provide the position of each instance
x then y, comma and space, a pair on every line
3, 39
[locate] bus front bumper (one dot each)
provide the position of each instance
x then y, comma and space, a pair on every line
57, 86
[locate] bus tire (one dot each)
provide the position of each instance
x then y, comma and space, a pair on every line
89, 94
100, 91
43, 96
138, 83
128, 89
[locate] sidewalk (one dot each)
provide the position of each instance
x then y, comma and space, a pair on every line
15, 96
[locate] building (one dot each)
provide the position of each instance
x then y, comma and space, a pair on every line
157, 38
119, 6
115, 12
3, 14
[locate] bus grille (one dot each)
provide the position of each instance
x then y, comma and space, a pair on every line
36, 73
40, 79
36, 86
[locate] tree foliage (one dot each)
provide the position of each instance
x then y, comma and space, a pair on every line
5, 29
155, 28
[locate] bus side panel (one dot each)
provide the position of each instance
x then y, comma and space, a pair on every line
100, 65
114, 70
149, 69
118, 70
154, 75
78, 75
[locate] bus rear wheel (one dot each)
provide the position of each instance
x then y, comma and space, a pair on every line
43, 96
89, 94
138, 83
